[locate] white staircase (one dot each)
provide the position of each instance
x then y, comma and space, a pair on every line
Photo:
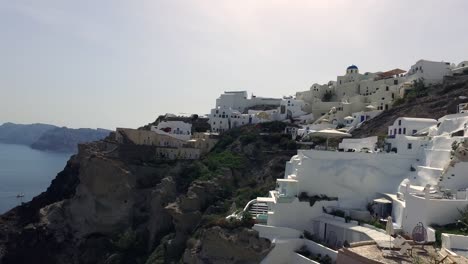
258, 208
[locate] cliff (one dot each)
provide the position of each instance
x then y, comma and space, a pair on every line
49, 137
113, 203
22, 134
62, 139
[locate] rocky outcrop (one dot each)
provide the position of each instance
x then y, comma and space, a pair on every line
11, 133
49, 137
113, 203
219, 245
63, 139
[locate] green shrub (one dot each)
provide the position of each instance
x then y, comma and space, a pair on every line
248, 138
304, 252
224, 141
338, 213
126, 241
225, 159
419, 90
376, 223
273, 127
399, 101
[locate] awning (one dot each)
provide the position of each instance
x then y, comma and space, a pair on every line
382, 201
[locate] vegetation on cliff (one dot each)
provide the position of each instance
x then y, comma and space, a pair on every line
160, 209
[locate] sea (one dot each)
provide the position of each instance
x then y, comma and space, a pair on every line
26, 171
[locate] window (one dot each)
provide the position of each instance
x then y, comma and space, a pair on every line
399, 122
386, 88
383, 98
399, 131
410, 145
414, 131
395, 82
404, 130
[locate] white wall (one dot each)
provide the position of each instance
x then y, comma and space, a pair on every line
451, 241
272, 232
358, 143
355, 178
284, 251
431, 71
178, 129
299, 259
296, 214
430, 211
234, 100
408, 126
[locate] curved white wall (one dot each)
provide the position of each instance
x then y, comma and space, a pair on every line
297, 215
430, 211
355, 178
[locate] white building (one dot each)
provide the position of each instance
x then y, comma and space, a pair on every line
461, 68
351, 93
359, 144
177, 129
432, 72
424, 182
409, 125
238, 100
234, 109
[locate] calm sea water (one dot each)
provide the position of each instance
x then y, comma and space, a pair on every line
26, 171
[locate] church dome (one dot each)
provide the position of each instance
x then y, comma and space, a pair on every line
352, 67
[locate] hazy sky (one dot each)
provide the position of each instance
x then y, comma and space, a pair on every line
115, 63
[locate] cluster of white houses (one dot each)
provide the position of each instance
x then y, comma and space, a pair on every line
417, 176
420, 181
173, 137
350, 100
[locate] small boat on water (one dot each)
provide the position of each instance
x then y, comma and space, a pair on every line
20, 195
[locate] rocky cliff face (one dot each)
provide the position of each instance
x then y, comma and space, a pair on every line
113, 204
218, 246
22, 134
49, 137
62, 139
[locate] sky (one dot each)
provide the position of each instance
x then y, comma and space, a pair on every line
112, 63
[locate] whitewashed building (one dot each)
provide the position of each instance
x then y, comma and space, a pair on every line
177, 129
234, 109
422, 184
409, 125
432, 72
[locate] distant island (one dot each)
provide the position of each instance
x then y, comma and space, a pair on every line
49, 137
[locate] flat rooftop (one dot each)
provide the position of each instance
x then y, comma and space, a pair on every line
425, 255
